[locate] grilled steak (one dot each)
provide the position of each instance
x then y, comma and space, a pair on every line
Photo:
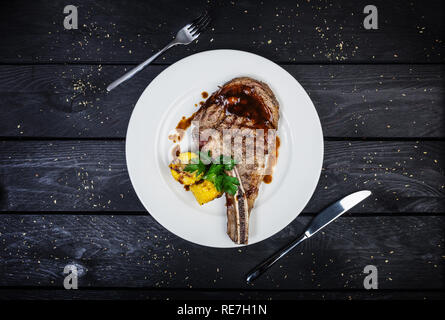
250, 110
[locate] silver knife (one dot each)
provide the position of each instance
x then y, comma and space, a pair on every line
319, 222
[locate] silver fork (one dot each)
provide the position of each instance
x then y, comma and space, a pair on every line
184, 36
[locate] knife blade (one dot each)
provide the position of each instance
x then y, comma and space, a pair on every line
335, 210
320, 221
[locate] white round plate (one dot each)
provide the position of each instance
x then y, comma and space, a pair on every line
173, 94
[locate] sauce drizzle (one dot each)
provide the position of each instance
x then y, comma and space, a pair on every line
272, 162
243, 101
184, 123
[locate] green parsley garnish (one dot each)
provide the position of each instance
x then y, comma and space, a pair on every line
195, 165
214, 170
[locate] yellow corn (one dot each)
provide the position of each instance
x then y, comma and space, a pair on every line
204, 191
177, 169
186, 157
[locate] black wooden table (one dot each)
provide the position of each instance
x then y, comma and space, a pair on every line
65, 194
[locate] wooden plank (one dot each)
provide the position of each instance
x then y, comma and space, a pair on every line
91, 175
312, 31
39, 293
352, 100
136, 252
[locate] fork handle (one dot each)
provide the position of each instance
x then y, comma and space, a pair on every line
129, 74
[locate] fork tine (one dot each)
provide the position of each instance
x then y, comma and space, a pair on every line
202, 26
198, 23
199, 26
198, 20
195, 27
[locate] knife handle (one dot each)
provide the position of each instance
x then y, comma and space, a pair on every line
260, 269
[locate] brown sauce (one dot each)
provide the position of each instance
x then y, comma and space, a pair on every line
184, 123
176, 151
277, 145
272, 162
243, 101
239, 100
